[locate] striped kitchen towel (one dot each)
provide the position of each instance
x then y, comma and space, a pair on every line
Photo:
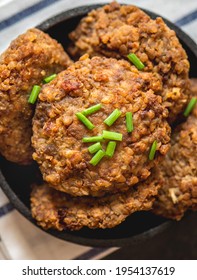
19, 239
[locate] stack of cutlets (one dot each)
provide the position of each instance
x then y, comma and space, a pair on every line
103, 130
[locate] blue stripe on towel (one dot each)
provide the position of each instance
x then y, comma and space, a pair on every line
6, 209
25, 13
43, 4
187, 19
91, 254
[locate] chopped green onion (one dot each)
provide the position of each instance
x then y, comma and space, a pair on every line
91, 110
112, 117
110, 148
97, 157
84, 120
190, 106
153, 150
92, 139
34, 94
49, 78
136, 61
112, 135
95, 148
129, 122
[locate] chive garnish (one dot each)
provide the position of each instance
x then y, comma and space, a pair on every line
34, 94
95, 148
112, 135
91, 110
49, 78
129, 122
110, 148
190, 106
112, 117
136, 61
85, 121
97, 157
153, 150
92, 139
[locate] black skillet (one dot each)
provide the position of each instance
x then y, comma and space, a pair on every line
16, 180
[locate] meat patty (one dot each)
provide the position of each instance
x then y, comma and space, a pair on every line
193, 87
57, 132
30, 58
179, 170
117, 30
53, 209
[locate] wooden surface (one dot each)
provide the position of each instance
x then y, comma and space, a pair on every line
179, 242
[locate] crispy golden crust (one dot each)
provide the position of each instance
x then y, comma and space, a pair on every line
193, 87
179, 170
54, 209
116, 31
30, 58
57, 133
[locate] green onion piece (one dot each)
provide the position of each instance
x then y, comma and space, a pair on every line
97, 157
84, 120
110, 148
92, 139
112, 117
129, 122
91, 110
190, 106
136, 61
112, 135
95, 148
34, 94
49, 78
153, 150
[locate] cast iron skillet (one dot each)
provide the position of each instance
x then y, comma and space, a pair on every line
16, 180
